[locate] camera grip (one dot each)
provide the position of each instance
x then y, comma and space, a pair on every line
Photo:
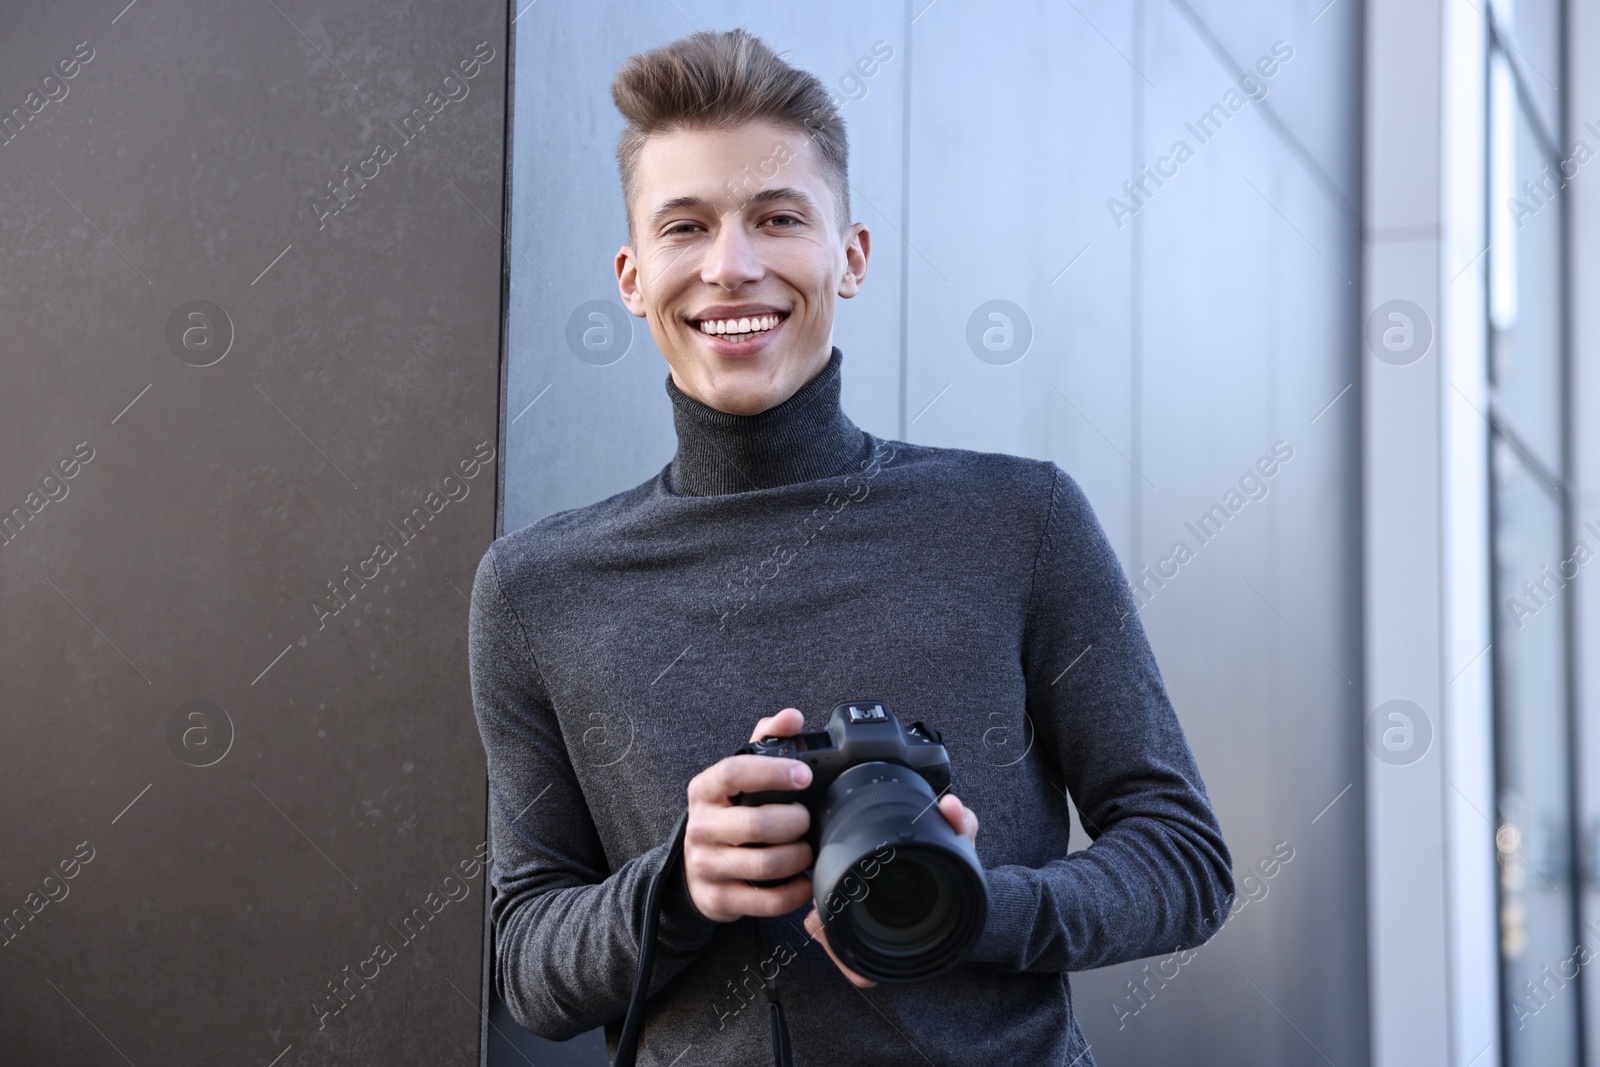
771, 796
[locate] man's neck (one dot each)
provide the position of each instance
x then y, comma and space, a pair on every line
805, 438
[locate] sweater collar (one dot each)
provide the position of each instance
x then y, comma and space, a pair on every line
805, 438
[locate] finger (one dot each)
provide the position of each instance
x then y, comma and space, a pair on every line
765, 824
954, 812
786, 723
736, 898
721, 863
960, 817
813, 926
746, 774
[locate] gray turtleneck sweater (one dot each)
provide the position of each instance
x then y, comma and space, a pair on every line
789, 558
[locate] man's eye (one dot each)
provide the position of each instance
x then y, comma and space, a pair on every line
679, 227
790, 218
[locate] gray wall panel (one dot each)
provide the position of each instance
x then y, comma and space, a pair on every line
345, 776
1019, 132
1247, 310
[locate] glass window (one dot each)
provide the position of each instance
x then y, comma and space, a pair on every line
1540, 970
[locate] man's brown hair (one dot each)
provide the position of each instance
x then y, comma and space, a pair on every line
711, 80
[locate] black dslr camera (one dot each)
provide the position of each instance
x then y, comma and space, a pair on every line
901, 895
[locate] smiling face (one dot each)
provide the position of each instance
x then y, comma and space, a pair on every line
738, 258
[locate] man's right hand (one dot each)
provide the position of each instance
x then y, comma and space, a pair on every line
715, 865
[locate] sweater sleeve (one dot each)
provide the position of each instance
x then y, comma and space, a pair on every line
566, 930
1157, 875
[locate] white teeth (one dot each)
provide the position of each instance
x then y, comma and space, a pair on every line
739, 327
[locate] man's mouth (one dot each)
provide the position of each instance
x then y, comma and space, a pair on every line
736, 330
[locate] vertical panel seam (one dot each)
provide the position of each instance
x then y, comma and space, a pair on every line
905, 225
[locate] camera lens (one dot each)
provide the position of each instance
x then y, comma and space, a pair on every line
901, 894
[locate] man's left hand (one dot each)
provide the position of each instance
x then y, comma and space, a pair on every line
959, 816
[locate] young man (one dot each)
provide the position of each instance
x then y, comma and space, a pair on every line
782, 562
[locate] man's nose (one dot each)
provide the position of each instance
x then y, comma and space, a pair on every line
731, 258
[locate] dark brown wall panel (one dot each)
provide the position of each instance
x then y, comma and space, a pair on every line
253, 393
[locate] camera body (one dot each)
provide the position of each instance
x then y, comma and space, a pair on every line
858, 731
901, 894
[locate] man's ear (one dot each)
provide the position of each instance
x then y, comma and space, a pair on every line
857, 250
628, 281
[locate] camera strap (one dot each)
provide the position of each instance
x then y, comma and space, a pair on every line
782, 1055
633, 1022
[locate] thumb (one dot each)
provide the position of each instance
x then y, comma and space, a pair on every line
786, 723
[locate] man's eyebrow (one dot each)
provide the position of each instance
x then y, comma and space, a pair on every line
757, 199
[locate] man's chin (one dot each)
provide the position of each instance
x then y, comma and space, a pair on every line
736, 401
745, 387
